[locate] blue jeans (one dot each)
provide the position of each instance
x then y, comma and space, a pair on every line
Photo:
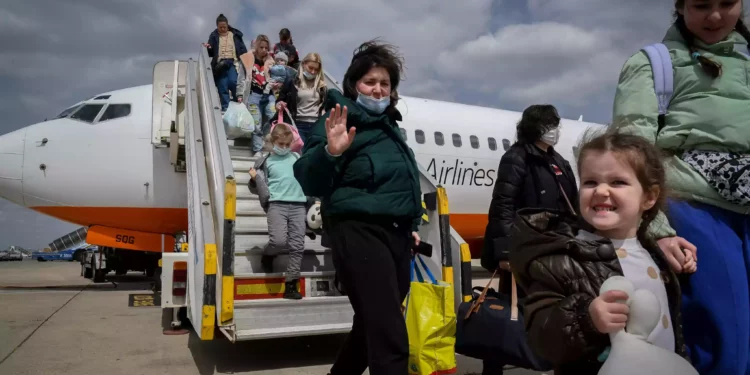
226, 83
305, 130
716, 299
262, 107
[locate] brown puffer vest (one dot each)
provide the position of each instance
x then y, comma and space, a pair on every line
561, 276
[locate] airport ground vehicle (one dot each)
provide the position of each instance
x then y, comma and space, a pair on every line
11, 255
98, 261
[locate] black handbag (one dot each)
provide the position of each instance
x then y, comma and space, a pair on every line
489, 327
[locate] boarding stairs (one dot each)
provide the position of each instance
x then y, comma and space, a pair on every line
228, 228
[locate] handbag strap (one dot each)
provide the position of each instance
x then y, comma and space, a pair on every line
291, 119
477, 302
415, 270
513, 298
570, 206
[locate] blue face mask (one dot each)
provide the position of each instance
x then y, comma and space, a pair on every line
376, 106
308, 75
281, 151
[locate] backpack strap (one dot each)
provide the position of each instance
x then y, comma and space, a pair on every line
661, 66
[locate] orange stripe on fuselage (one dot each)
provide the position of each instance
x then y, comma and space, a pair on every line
471, 227
142, 219
173, 220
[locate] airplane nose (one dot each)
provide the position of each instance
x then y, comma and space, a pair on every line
11, 165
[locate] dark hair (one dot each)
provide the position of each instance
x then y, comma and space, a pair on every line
286, 34
710, 67
367, 56
645, 159
535, 121
221, 18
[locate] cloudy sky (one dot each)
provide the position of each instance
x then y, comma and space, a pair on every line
502, 53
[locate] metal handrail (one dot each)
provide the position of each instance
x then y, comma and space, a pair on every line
201, 233
222, 183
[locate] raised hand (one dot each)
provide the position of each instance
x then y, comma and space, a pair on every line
339, 139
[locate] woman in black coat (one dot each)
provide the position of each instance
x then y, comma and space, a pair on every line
531, 175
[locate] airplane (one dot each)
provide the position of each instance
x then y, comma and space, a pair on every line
94, 164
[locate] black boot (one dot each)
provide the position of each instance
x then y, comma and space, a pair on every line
266, 263
290, 290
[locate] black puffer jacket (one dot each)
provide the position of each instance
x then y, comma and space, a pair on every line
525, 180
561, 276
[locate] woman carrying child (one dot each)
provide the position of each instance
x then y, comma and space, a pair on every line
706, 130
562, 262
285, 202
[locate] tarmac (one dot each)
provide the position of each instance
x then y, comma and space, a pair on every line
53, 321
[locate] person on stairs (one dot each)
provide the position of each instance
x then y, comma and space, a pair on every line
225, 47
286, 207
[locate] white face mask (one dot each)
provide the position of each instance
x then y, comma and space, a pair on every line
551, 137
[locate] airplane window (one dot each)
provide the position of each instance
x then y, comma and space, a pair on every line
114, 111
419, 136
474, 141
88, 112
68, 111
492, 143
403, 133
457, 140
439, 140
506, 144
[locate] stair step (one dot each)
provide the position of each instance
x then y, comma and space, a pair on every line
243, 192
240, 151
245, 158
249, 243
274, 318
242, 177
312, 261
282, 332
260, 275
249, 207
243, 165
251, 224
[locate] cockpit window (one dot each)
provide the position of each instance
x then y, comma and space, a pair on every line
88, 112
68, 111
114, 111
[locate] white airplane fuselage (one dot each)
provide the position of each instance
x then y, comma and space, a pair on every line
106, 171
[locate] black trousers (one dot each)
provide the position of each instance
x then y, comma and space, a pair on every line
372, 263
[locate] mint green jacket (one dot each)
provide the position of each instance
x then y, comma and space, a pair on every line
704, 113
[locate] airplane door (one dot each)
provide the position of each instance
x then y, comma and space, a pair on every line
168, 105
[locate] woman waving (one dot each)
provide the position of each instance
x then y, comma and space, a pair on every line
368, 181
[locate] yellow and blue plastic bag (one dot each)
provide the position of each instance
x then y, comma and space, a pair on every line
431, 324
